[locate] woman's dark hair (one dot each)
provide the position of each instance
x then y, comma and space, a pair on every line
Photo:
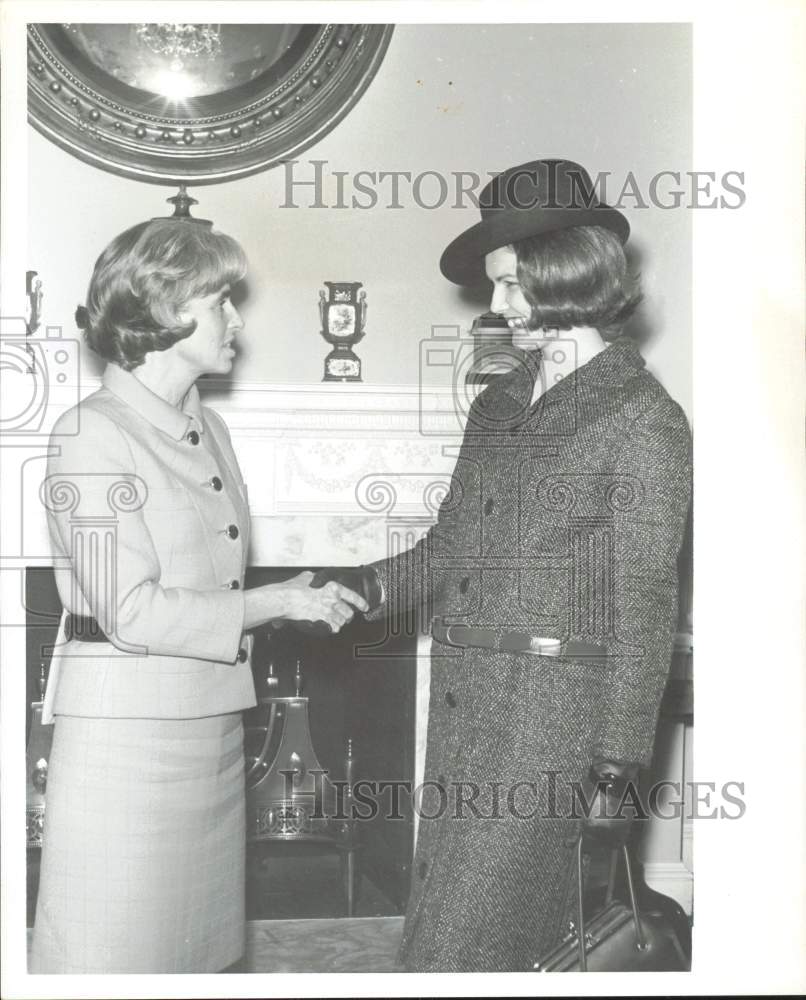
143, 279
577, 277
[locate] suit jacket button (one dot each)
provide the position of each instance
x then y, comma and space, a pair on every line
464, 583
234, 585
450, 700
242, 655
193, 437
232, 531
216, 483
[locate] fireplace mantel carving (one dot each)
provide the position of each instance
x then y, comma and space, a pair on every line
310, 455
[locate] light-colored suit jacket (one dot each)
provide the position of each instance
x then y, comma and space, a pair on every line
149, 524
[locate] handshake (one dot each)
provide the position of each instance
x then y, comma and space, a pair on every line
341, 591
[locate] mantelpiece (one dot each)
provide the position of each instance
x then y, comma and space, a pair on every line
328, 466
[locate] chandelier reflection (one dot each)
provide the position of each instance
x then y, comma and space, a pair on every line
181, 41
175, 44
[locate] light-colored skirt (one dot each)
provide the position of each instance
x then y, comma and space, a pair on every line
143, 847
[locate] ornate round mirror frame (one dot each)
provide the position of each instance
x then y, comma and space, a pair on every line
207, 139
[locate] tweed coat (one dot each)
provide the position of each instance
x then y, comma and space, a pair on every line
149, 526
564, 519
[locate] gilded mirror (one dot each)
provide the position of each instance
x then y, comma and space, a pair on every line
199, 103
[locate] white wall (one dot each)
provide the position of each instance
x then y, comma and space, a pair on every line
448, 98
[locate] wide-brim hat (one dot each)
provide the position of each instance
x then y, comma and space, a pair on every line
534, 198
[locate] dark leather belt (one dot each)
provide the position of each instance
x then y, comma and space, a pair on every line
82, 628
512, 641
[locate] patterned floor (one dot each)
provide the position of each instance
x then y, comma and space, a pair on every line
359, 944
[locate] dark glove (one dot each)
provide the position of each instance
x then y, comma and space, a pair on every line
613, 790
362, 579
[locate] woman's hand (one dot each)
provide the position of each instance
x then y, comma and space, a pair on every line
332, 605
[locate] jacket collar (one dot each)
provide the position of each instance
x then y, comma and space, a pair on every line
172, 421
613, 366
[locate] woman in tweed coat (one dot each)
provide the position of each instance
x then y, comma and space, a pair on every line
144, 839
563, 522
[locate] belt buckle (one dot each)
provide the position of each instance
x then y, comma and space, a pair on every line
448, 639
544, 646
442, 634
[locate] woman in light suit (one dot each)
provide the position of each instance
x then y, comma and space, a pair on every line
143, 858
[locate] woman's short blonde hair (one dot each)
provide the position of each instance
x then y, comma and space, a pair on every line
143, 279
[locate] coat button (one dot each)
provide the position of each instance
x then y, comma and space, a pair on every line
441, 780
488, 506
234, 585
242, 655
422, 869
232, 531
216, 483
464, 583
450, 700
193, 437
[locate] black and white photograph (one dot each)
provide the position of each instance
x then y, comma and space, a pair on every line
355, 532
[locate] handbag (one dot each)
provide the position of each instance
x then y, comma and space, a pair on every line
619, 937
